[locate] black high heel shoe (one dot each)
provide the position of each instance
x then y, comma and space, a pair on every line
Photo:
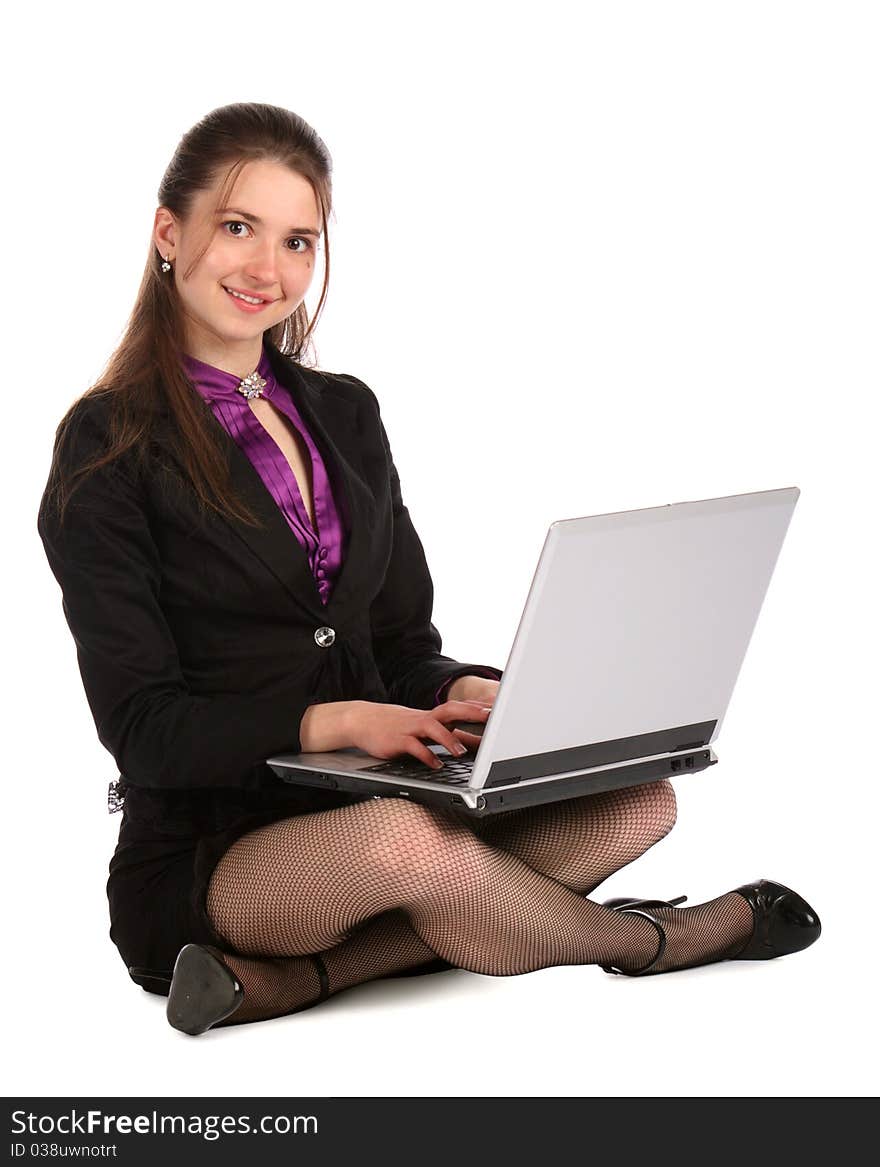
205, 992
783, 923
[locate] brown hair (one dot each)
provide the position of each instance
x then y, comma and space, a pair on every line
145, 373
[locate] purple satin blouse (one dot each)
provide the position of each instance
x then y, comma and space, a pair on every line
325, 543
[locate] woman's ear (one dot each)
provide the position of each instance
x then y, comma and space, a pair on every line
164, 232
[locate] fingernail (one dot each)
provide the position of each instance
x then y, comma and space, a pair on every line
460, 749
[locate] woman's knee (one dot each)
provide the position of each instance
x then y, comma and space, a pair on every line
648, 810
658, 803
407, 838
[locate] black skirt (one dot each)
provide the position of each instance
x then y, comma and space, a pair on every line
169, 844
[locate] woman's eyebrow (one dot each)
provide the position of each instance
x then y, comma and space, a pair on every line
259, 222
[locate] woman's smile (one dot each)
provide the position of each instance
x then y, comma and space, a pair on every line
249, 304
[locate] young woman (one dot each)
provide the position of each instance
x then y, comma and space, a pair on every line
241, 577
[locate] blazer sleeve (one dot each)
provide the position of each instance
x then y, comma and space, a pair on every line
108, 567
467, 671
406, 644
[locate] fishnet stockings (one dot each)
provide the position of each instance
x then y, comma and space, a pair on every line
385, 944
384, 885
704, 932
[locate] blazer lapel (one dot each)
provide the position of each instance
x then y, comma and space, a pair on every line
333, 423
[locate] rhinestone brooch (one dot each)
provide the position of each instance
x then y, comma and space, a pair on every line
252, 385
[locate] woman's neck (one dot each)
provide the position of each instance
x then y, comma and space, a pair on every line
239, 360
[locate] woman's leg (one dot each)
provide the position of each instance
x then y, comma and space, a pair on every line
384, 945
305, 884
579, 842
582, 841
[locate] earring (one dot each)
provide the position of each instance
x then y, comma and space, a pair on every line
166, 266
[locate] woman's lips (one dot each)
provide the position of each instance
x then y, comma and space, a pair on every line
244, 305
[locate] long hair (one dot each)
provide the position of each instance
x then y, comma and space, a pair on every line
145, 373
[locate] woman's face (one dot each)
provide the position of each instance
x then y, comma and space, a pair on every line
263, 245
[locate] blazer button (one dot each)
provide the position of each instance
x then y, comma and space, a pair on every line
325, 636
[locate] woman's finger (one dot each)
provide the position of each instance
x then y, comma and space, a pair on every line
434, 730
471, 740
462, 711
419, 750
452, 705
447, 738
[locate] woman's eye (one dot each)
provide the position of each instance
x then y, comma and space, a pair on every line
304, 244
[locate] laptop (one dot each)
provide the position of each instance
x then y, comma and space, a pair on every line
632, 636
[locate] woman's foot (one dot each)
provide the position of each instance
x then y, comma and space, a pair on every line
206, 988
783, 921
203, 990
757, 921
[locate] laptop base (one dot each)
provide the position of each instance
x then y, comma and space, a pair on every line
530, 793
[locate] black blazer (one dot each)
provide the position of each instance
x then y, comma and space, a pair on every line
202, 641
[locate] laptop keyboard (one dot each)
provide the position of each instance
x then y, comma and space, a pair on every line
454, 772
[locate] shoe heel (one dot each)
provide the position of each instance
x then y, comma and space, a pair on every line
625, 901
203, 990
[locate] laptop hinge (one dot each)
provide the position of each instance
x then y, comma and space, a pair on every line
624, 749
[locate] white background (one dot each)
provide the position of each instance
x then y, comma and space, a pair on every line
590, 257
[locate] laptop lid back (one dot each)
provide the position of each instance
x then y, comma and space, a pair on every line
633, 634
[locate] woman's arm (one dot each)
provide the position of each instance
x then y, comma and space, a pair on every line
108, 567
327, 726
473, 688
470, 686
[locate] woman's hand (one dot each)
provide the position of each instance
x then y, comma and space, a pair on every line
471, 688
388, 730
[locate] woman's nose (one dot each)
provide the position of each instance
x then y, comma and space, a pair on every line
262, 265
